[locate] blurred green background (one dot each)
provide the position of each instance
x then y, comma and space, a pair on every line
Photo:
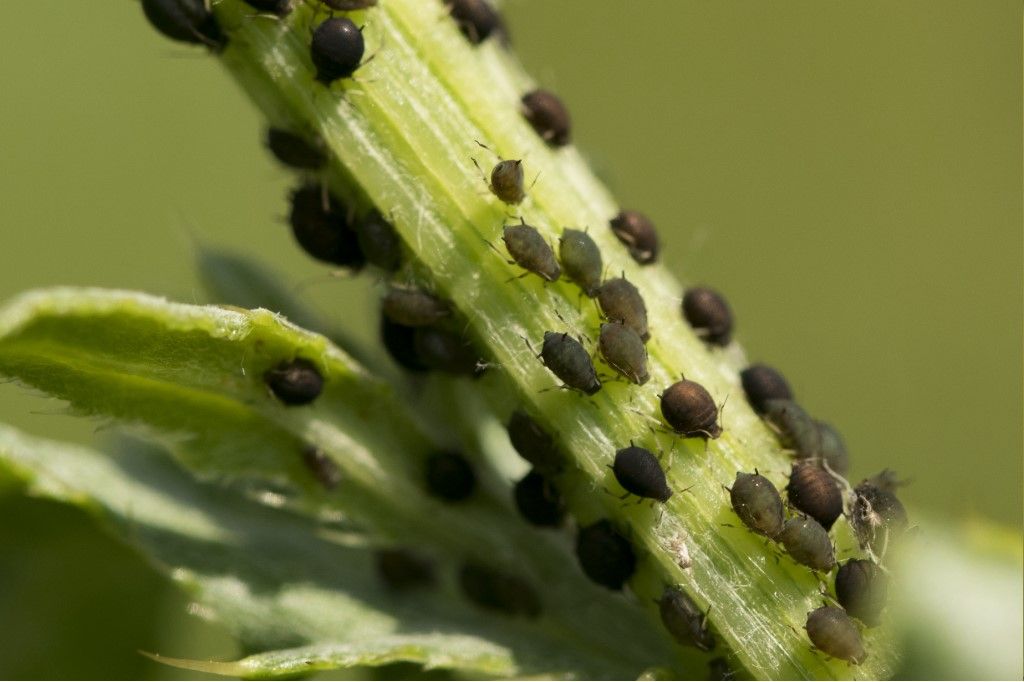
849, 174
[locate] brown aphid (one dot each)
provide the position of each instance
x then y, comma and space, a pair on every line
414, 308
815, 492
762, 383
443, 351
878, 517
402, 569
507, 181
295, 382
797, 430
569, 361
758, 504
581, 260
808, 543
861, 588
323, 468
622, 348
638, 233
833, 449
684, 620
548, 116
707, 312
834, 633
530, 252
690, 410
533, 443
476, 19
620, 301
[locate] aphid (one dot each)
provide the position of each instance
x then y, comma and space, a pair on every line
581, 260
476, 19
450, 476
815, 492
337, 49
707, 312
400, 343
321, 228
719, 669
294, 150
758, 504
295, 382
877, 516
569, 361
861, 588
507, 181
530, 252
605, 556
187, 21
833, 449
762, 383
533, 443
548, 116
808, 543
321, 466
402, 569
690, 410
623, 350
620, 301
446, 352
349, 5
638, 472
834, 633
414, 308
638, 233
539, 501
684, 621
797, 430
279, 7
498, 591
379, 242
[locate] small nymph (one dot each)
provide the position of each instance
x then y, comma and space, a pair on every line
548, 116
638, 233
708, 313
476, 19
295, 382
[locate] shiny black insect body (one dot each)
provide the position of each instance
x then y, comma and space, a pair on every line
569, 361
294, 150
606, 557
638, 233
379, 242
446, 352
861, 588
539, 501
450, 476
762, 383
476, 19
622, 348
639, 473
321, 466
808, 543
530, 252
834, 633
581, 260
548, 116
690, 410
815, 492
187, 21
684, 620
413, 307
402, 569
708, 313
534, 444
758, 504
336, 49
295, 382
620, 301
321, 228
498, 591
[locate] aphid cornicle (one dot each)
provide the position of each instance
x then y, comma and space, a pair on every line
620, 301
684, 620
507, 181
581, 260
548, 116
569, 361
758, 504
446, 352
295, 382
808, 543
707, 312
336, 49
797, 430
402, 569
187, 21
690, 410
450, 476
321, 466
279, 7
833, 449
498, 591
294, 150
476, 19
861, 588
762, 383
622, 348
414, 308
323, 230
534, 444
539, 501
400, 343
815, 492
638, 233
878, 517
530, 252
638, 472
834, 633
606, 557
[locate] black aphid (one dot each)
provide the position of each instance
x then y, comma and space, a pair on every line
833, 449
450, 476
605, 556
622, 348
569, 361
834, 633
414, 308
349, 5
321, 228
878, 516
861, 588
684, 620
295, 382
758, 504
808, 543
533, 443
402, 569
400, 343
797, 430
581, 260
548, 116
762, 383
498, 591
476, 19
446, 352
187, 21
639, 473
638, 233
507, 181
337, 49
620, 301
690, 410
708, 313
539, 501
379, 242
815, 492
278, 7
295, 151
321, 466
530, 252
